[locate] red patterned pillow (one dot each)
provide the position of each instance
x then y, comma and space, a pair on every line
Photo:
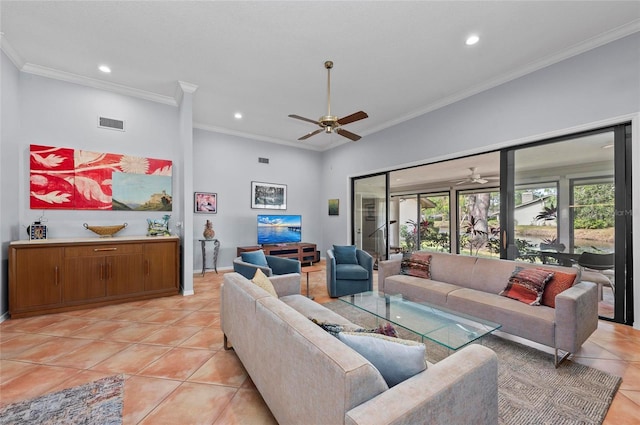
558, 283
527, 285
417, 265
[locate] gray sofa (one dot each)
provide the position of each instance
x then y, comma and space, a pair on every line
307, 376
472, 285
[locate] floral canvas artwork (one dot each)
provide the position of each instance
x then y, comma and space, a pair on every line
63, 178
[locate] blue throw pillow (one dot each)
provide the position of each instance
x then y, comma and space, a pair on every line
345, 254
255, 257
396, 359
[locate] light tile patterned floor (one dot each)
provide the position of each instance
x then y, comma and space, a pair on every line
170, 350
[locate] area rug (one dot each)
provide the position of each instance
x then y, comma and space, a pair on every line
98, 402
531, 390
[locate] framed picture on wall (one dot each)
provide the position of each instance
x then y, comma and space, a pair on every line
334, 207
268, 196
205, 202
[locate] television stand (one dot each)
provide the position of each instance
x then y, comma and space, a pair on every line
306, 253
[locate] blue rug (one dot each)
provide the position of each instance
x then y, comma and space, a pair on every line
98, 402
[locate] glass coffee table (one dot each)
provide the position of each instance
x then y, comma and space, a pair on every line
449, 329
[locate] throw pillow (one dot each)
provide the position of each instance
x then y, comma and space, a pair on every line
333, 328
396, 359
261, 280
255, 257
527, 285
345, 254
558, 283
386, 329
418, 265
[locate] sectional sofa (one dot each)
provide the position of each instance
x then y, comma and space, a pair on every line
473, 285
308, 376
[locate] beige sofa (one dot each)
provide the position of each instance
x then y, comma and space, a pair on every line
307, 376
471, 285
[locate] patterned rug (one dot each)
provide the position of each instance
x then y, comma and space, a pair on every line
530, 389
98, 402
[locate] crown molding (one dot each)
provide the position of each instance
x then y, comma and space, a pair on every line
221, 130
97, 84
187, 87
582, 47
11, 53
184, 88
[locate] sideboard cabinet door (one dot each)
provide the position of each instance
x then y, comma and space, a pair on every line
36, 280
161, 266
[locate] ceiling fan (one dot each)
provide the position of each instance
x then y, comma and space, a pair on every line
330, 123
475, 178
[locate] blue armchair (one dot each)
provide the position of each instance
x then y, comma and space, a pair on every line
249, 262
349, 271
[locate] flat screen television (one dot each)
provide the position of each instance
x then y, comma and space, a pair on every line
277, 229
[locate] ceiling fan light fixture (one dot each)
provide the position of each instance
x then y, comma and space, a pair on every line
330, 123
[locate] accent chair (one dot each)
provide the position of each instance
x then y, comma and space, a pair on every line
349, 271
249, 262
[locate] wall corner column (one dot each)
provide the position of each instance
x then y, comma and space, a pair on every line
185, 181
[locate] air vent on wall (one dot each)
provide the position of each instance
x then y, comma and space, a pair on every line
110, 123
263, 160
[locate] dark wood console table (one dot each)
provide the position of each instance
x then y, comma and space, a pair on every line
304, 252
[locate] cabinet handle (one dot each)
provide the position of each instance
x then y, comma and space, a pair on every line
108, 271
147, 269
56, 276
104, 249
101, 272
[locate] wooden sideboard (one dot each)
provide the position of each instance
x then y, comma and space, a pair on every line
51, 276
306, 253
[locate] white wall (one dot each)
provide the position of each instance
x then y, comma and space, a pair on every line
227, 165
9, 146
594, 89
61, 114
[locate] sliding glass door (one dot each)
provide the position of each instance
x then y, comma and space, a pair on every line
566, 200
370, 228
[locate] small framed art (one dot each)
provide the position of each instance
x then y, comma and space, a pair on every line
334, 207
205, 202
268, 196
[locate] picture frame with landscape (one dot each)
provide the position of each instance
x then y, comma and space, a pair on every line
268, 196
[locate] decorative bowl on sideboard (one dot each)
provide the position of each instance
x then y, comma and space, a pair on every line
105, 231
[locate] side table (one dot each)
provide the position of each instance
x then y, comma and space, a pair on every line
216, 248
307, 270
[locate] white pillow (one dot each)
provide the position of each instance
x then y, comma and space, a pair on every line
261, 280
396, 359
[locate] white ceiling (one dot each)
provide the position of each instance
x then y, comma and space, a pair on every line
394, 60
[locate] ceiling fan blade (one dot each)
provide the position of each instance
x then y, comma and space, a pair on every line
462, 182
356, 116
347, 134
481, 181
298, 117
313, 133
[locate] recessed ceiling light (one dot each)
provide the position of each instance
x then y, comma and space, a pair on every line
237, 115
104, 68
472, 39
